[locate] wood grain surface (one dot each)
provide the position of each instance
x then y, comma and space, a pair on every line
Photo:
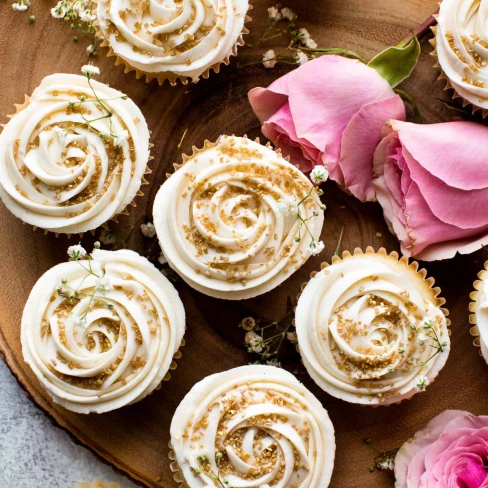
135, 439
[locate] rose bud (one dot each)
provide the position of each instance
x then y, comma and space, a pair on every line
329, 111
432, 182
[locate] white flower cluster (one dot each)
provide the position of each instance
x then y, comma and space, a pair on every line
76, 252
148, 230
287, 206
306, 39
75, 9
269, 59
316, 247
421, 383
89, 70
21, 5
120, 138
254, 342
103, 285
319, 174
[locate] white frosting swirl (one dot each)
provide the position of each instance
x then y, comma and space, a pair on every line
219, 222
114, 342
59, 174
181, 37
462, 48
253, 426
481, 313
361, 329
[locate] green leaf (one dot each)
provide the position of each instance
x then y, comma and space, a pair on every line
396, 63
408, 99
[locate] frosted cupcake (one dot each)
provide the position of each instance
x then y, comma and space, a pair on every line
237, 219
253, 427
172, 39
479, 312
461, 42
74, 155
371, 329
101, 333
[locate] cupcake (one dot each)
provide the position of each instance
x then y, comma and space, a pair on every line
237, 219
74, 155
479, 312
371, 329
101, 331
172, 40
461, 48
253, 427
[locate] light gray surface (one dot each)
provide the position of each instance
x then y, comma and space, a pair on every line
36, 454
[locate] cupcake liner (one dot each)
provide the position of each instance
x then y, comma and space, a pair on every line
98, 483
172, 78
443, 77
473, 307
21, 106
175, 468
426, 285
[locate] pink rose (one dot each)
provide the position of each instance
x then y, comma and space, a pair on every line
432, 182
329, 111
451, 452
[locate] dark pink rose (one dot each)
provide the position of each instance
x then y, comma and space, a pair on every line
329, 111
451, 452
432, 182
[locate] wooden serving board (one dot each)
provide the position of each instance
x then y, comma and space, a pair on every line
135, 439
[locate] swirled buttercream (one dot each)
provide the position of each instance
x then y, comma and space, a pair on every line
370, 328
230, 220
101, 333
462, 48
56, 171
172, 39
251, 427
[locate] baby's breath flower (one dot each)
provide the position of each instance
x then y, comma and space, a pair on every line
21, 5
273, 362
60, 10
421, 338
201, 455
274, 14
288, 14
248, 323
103, 285
120, 138
80, 321
269, 60
87, 16
148, 230
60, 133
107, 237
89, 70
254, 341
162, 259
387, 464
421, 382
427, 323
287, 206
96, 245
316, 247
306, 39
319, 174
301, 57
90, 49
76, 251
292, 337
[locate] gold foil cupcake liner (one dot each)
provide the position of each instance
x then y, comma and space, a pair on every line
444, 77
21, 106
475, 297
419, 276
169, 76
